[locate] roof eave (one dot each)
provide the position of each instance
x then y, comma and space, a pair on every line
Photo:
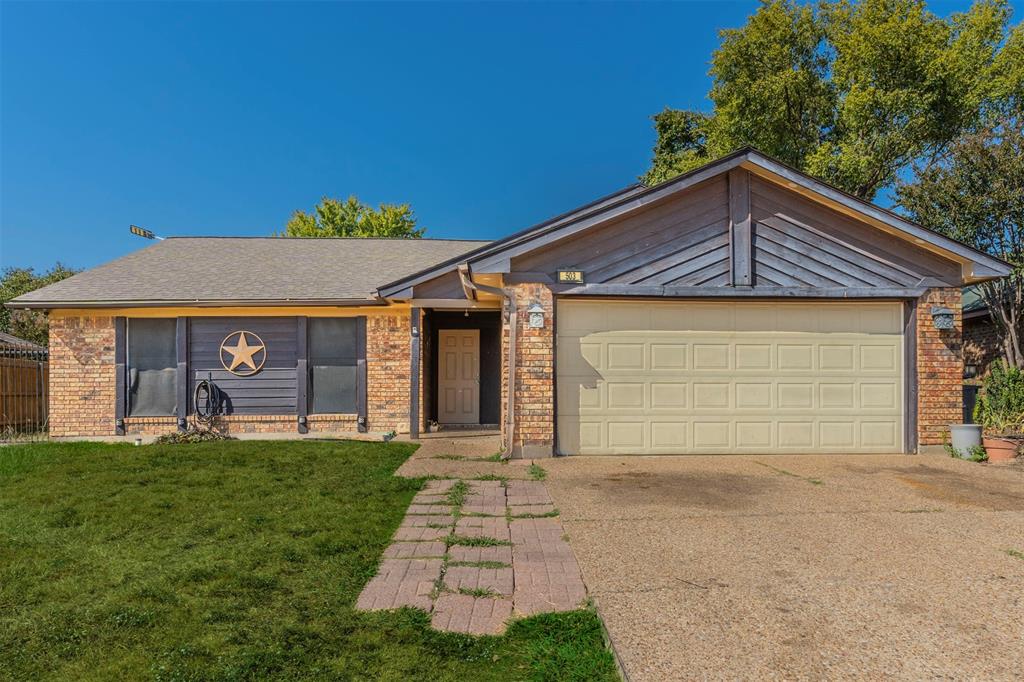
195, 303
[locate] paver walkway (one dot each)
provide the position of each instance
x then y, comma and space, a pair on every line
476, 553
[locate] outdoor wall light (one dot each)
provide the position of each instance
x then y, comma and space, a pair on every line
942, 317
536, 316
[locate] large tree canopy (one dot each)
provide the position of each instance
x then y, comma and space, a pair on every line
850, 92
30, 325
975, 193
352, 218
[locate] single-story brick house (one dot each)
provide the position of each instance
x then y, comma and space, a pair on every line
741, 307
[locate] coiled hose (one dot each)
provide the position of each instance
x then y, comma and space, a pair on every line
207, 402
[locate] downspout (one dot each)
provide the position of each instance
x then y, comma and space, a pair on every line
506, 295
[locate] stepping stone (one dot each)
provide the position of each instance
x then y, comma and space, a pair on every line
430, 498
490, 509
544, 586
471, 578
482, 527
415, 550
501, 553
480, 486
415, 534
414, 521
427, 509
401, 582
535, 509
439, 486
471, 615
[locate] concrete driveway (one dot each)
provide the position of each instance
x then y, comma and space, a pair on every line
801, 567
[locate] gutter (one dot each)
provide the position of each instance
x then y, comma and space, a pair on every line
198, 303
470, 287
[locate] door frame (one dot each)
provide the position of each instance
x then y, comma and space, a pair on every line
440, 368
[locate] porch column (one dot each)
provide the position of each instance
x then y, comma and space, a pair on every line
414, 375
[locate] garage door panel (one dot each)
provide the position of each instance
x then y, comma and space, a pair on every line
669, 357
789, 377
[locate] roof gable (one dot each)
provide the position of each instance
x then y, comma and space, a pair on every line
878, 231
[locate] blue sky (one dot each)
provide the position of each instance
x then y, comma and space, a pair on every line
223, 118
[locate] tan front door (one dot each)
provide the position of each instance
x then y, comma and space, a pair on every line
680, 377
458, 381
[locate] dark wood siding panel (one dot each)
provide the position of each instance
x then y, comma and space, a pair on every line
662, 257
274, 389
644, 244
790, 229
831, 254
712, 252
446, 286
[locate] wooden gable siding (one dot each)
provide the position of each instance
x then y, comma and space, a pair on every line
271, 391
447, 285
799, 243
684, 241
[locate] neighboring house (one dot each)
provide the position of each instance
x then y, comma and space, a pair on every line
741, 307
982, 343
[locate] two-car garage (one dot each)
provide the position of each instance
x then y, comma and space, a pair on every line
714, 377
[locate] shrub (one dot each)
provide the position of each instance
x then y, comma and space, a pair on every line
193, 435
1000, 406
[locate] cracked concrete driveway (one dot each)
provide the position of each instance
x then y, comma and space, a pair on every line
798, 567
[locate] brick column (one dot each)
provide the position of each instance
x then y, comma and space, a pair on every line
388, 366
82, 376
940, 368
534, 399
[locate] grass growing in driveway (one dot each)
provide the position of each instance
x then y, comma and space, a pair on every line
231, 561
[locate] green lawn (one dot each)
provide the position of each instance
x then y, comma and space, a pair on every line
236, 560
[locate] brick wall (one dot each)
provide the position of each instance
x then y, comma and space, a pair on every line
82, 376
940, 368
388, 367
82, 384
982, 343
534, 400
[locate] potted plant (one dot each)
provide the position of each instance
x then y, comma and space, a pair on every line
1000, 411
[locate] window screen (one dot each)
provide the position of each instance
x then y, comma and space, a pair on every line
332, 365
152, 368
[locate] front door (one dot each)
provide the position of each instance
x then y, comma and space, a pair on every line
458, 381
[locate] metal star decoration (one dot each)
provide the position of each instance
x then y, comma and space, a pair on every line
242, 353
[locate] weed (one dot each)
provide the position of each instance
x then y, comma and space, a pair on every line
479, 592
457, 494
545, 515
475, 542
537, 472
480, 564
496, 457
1016, 554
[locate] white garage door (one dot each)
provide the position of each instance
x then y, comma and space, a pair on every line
674, 377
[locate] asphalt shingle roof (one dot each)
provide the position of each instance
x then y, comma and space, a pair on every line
258, 269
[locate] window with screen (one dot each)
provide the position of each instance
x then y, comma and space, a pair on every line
152, 367
333, 351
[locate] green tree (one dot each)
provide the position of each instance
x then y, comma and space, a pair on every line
850, 92
975, 194
352, 218
31, 325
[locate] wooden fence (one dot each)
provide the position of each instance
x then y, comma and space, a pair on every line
24, 382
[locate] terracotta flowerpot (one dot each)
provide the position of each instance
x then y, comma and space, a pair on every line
1000, 449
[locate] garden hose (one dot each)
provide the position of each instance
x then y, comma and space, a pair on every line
207, 401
